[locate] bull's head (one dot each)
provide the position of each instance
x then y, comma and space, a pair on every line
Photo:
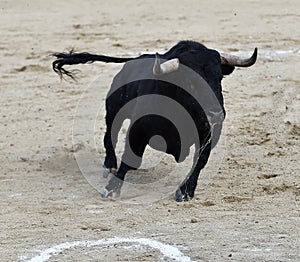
226, 61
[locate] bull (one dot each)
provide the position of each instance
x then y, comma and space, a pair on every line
190, 75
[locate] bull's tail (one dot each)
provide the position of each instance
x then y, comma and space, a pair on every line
73, 58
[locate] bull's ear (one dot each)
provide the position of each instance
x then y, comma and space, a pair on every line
227, 69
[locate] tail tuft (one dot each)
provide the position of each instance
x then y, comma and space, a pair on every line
73, 58
69, 58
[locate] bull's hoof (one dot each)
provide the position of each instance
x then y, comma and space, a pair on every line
108, 171
105, 193
110, 194
179, 197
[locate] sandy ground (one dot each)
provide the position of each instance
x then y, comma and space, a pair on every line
247, 203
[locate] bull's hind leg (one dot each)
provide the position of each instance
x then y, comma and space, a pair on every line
131, 160
186, 190
113, 188
110, 162
110, 140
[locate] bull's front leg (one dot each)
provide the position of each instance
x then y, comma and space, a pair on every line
186, 190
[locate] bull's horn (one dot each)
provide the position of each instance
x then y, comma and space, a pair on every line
166, 67
237, 61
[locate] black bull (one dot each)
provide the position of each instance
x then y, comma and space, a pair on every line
172, 104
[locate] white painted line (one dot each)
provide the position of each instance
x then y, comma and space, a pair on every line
167, 250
